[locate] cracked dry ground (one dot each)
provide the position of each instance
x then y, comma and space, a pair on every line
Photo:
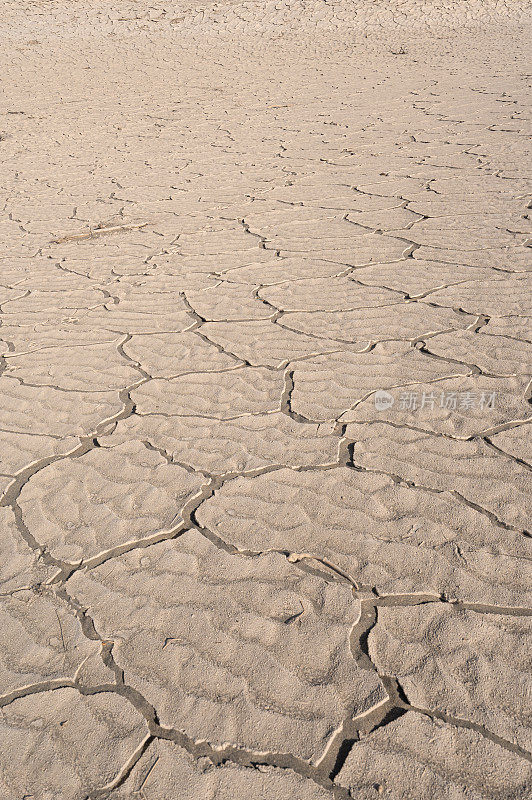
223, 572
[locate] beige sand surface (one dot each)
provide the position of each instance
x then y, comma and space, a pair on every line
232, 568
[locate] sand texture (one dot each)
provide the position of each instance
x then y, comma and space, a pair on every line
265, 400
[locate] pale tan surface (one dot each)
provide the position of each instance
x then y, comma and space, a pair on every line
224, 573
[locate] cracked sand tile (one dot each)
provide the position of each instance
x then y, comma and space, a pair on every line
460, 663
333, 196
278, 270
66, 744
394, 537
450, 233
416, 277
516, 327
202, 635
179, 264
326, 386
94, 368
47, 411
499, 297
326, 294
41, 640
221, 395
19, 566
418, 757
172, 354
80, 507
403, 321
491, 404
513, 259
263, 343
138, 288
239, 445
167, 772
515, 441
42, 337
38, 307
19, 450
497, 355
387, 219
364, 248
158, 313
216, 242
229, 302
479, 474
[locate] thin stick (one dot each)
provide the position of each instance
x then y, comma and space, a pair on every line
60, 630
97, 231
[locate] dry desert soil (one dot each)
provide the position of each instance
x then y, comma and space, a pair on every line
265, 400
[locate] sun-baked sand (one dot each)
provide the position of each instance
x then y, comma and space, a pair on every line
264, 401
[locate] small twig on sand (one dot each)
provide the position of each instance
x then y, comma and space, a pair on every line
97, 231
61, 630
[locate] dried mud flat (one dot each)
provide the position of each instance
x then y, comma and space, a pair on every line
228, 567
